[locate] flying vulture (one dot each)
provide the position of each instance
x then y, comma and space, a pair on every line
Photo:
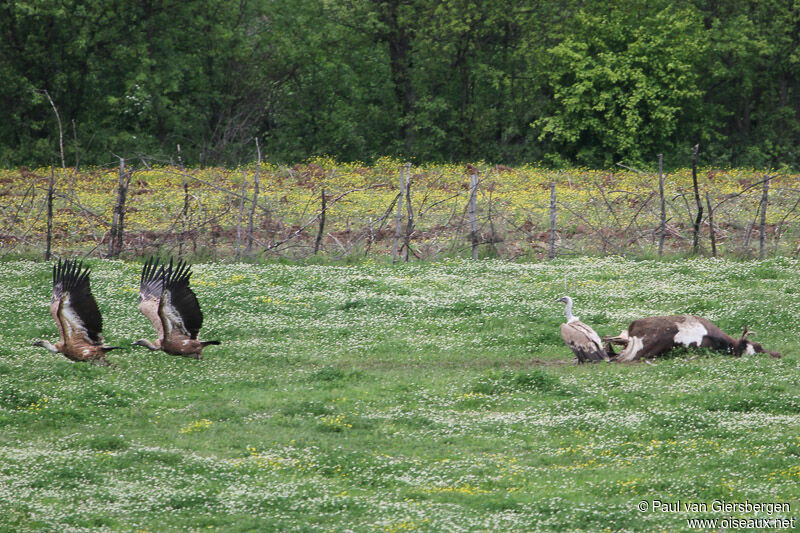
76, 314
166, 299
582, 339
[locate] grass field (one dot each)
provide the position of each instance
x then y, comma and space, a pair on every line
419, 397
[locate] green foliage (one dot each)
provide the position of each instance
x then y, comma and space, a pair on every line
623, 82
565, 82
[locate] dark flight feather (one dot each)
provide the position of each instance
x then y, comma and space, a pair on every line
152, 281
71, 279
182, 298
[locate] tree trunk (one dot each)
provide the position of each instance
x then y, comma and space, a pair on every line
398, 36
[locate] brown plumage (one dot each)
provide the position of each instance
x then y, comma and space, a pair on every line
77, 316
166, 299
584, 342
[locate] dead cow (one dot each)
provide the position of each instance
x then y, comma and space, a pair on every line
656, 335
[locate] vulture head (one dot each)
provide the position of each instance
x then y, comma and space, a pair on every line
46, 345
147, 344
567, 301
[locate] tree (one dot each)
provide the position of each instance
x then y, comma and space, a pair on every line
623, 84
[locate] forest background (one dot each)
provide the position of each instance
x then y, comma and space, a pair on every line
564, 83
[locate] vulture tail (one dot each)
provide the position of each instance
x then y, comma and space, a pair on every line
207, 343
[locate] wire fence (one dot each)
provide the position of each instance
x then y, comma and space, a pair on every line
408, 212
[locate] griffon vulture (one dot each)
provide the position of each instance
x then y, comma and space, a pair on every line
166, 299
77, 316
582, 339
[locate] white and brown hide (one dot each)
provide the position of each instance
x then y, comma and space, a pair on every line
654, 336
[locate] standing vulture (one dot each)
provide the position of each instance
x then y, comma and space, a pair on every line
582, 339
76, 314
167, 301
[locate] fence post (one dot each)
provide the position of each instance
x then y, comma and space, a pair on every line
185, 211
321, 223
473, 201
241, 215
712, 233
256, 184
50, 189
552, 253
118, 221
762, 230
663, 231
696, 229
398, 225
410, 213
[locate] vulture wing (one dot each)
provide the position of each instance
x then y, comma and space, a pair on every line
73, 304
151, 287
583, 341
152, 282
179, 306
55, 302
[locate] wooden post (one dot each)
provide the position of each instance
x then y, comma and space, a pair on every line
256, 184
552, 252
118, 221
321, 223
241, 214
50, 189
399, 222
696, 230
185, 211
473, 222
711, 230
762, 230
409, 212
663, 230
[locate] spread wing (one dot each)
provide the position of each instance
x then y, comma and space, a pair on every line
152, 282
73, 305
151, 288
179, 307
55, 304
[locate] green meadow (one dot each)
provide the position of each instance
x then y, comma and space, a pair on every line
416, 397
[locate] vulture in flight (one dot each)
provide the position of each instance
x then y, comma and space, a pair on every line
166, 299
584, 342
76, 314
